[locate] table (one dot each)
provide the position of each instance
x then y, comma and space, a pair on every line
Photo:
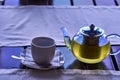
70, 60
27, 22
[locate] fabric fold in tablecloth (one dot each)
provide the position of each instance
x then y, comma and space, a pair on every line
58, 74
18, 25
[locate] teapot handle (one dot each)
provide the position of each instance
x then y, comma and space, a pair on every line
114, 36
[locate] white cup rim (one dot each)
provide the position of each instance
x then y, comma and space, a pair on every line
52, 40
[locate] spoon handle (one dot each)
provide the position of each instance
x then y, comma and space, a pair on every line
21, 58
16, 57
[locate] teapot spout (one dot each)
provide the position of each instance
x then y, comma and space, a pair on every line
66, 37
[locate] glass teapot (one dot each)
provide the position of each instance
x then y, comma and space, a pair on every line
89, 45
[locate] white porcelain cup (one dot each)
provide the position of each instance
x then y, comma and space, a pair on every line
43, 50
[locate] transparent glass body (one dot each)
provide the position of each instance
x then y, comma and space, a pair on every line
88, 53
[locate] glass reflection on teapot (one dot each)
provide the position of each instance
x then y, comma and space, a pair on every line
89, 45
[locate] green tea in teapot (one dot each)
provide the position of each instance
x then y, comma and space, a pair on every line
90, 54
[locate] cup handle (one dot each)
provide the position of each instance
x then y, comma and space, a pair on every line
114, 36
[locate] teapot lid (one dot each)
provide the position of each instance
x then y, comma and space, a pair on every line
92, 31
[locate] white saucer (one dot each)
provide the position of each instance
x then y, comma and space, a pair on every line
57, 61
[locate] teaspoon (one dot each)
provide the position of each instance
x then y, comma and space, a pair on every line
21, 58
